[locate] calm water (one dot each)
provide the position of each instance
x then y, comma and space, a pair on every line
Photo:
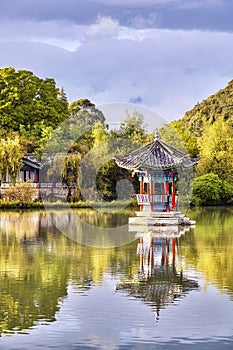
101, 286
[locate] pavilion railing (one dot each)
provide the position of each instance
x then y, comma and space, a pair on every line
151, 198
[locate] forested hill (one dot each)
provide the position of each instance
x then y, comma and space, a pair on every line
217, 106
207, 132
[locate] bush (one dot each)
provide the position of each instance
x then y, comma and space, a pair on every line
227, 192
21, 191
209, 189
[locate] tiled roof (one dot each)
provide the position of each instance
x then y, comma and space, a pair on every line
155, 155
32, 160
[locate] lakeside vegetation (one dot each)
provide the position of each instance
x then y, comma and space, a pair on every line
58, 204
34, 109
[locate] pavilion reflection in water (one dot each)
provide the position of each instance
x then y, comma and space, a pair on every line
158, 281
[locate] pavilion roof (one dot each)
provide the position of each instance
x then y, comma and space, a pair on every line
158, 289
155, 155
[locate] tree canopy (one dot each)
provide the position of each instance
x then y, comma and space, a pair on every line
216, 150
26, 99
215, 107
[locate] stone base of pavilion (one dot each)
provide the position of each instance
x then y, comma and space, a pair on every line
152, 219
159, 232
170, 231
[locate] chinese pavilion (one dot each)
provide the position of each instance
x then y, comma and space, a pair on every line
157, 167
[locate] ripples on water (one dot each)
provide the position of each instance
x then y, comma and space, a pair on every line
150, 293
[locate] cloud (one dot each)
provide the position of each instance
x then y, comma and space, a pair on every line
167, 70
153, 19
189, 14
141, 3
105, 26
60, 33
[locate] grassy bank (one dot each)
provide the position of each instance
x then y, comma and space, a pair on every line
59, 204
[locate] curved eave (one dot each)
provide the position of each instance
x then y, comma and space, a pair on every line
30, 163
155, 155
144, 166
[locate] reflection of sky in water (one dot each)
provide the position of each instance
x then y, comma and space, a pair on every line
104, 319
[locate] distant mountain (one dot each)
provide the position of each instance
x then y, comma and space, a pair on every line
219, 105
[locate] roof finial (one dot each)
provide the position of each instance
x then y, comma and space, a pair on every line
156, 135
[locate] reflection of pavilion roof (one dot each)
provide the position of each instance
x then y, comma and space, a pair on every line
159, 290
157, 155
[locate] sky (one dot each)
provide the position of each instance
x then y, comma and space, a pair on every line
165, 55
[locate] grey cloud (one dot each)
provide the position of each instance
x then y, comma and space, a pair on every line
140, 3
167, 70
192, 14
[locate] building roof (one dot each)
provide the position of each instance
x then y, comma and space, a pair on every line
155, 155
31, 160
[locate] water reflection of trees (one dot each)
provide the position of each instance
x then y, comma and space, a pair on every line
157, 281
209, 248
37, 263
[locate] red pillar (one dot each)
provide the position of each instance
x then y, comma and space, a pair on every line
173, 251
173, 194
151, 253
167, 252
167, 193
37, 176
141, 264
141, 192
151, 192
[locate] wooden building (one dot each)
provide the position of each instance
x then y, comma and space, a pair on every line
30, 168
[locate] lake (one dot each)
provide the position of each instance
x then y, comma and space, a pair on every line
81, 279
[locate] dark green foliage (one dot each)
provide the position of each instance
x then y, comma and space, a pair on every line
216, 151
62, 95
217, 106
185, 136
209, 189
26, 99
84, 114
133, 128
108, 176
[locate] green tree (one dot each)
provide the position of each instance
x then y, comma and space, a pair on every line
62, 95
84, 114
99, 133
108, 176
26, 99
215, 107
209, 189
71, 175
216, 151
11, 153
133, 128
186, 137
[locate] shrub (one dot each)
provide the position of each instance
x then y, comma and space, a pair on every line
21, 191
209, 189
